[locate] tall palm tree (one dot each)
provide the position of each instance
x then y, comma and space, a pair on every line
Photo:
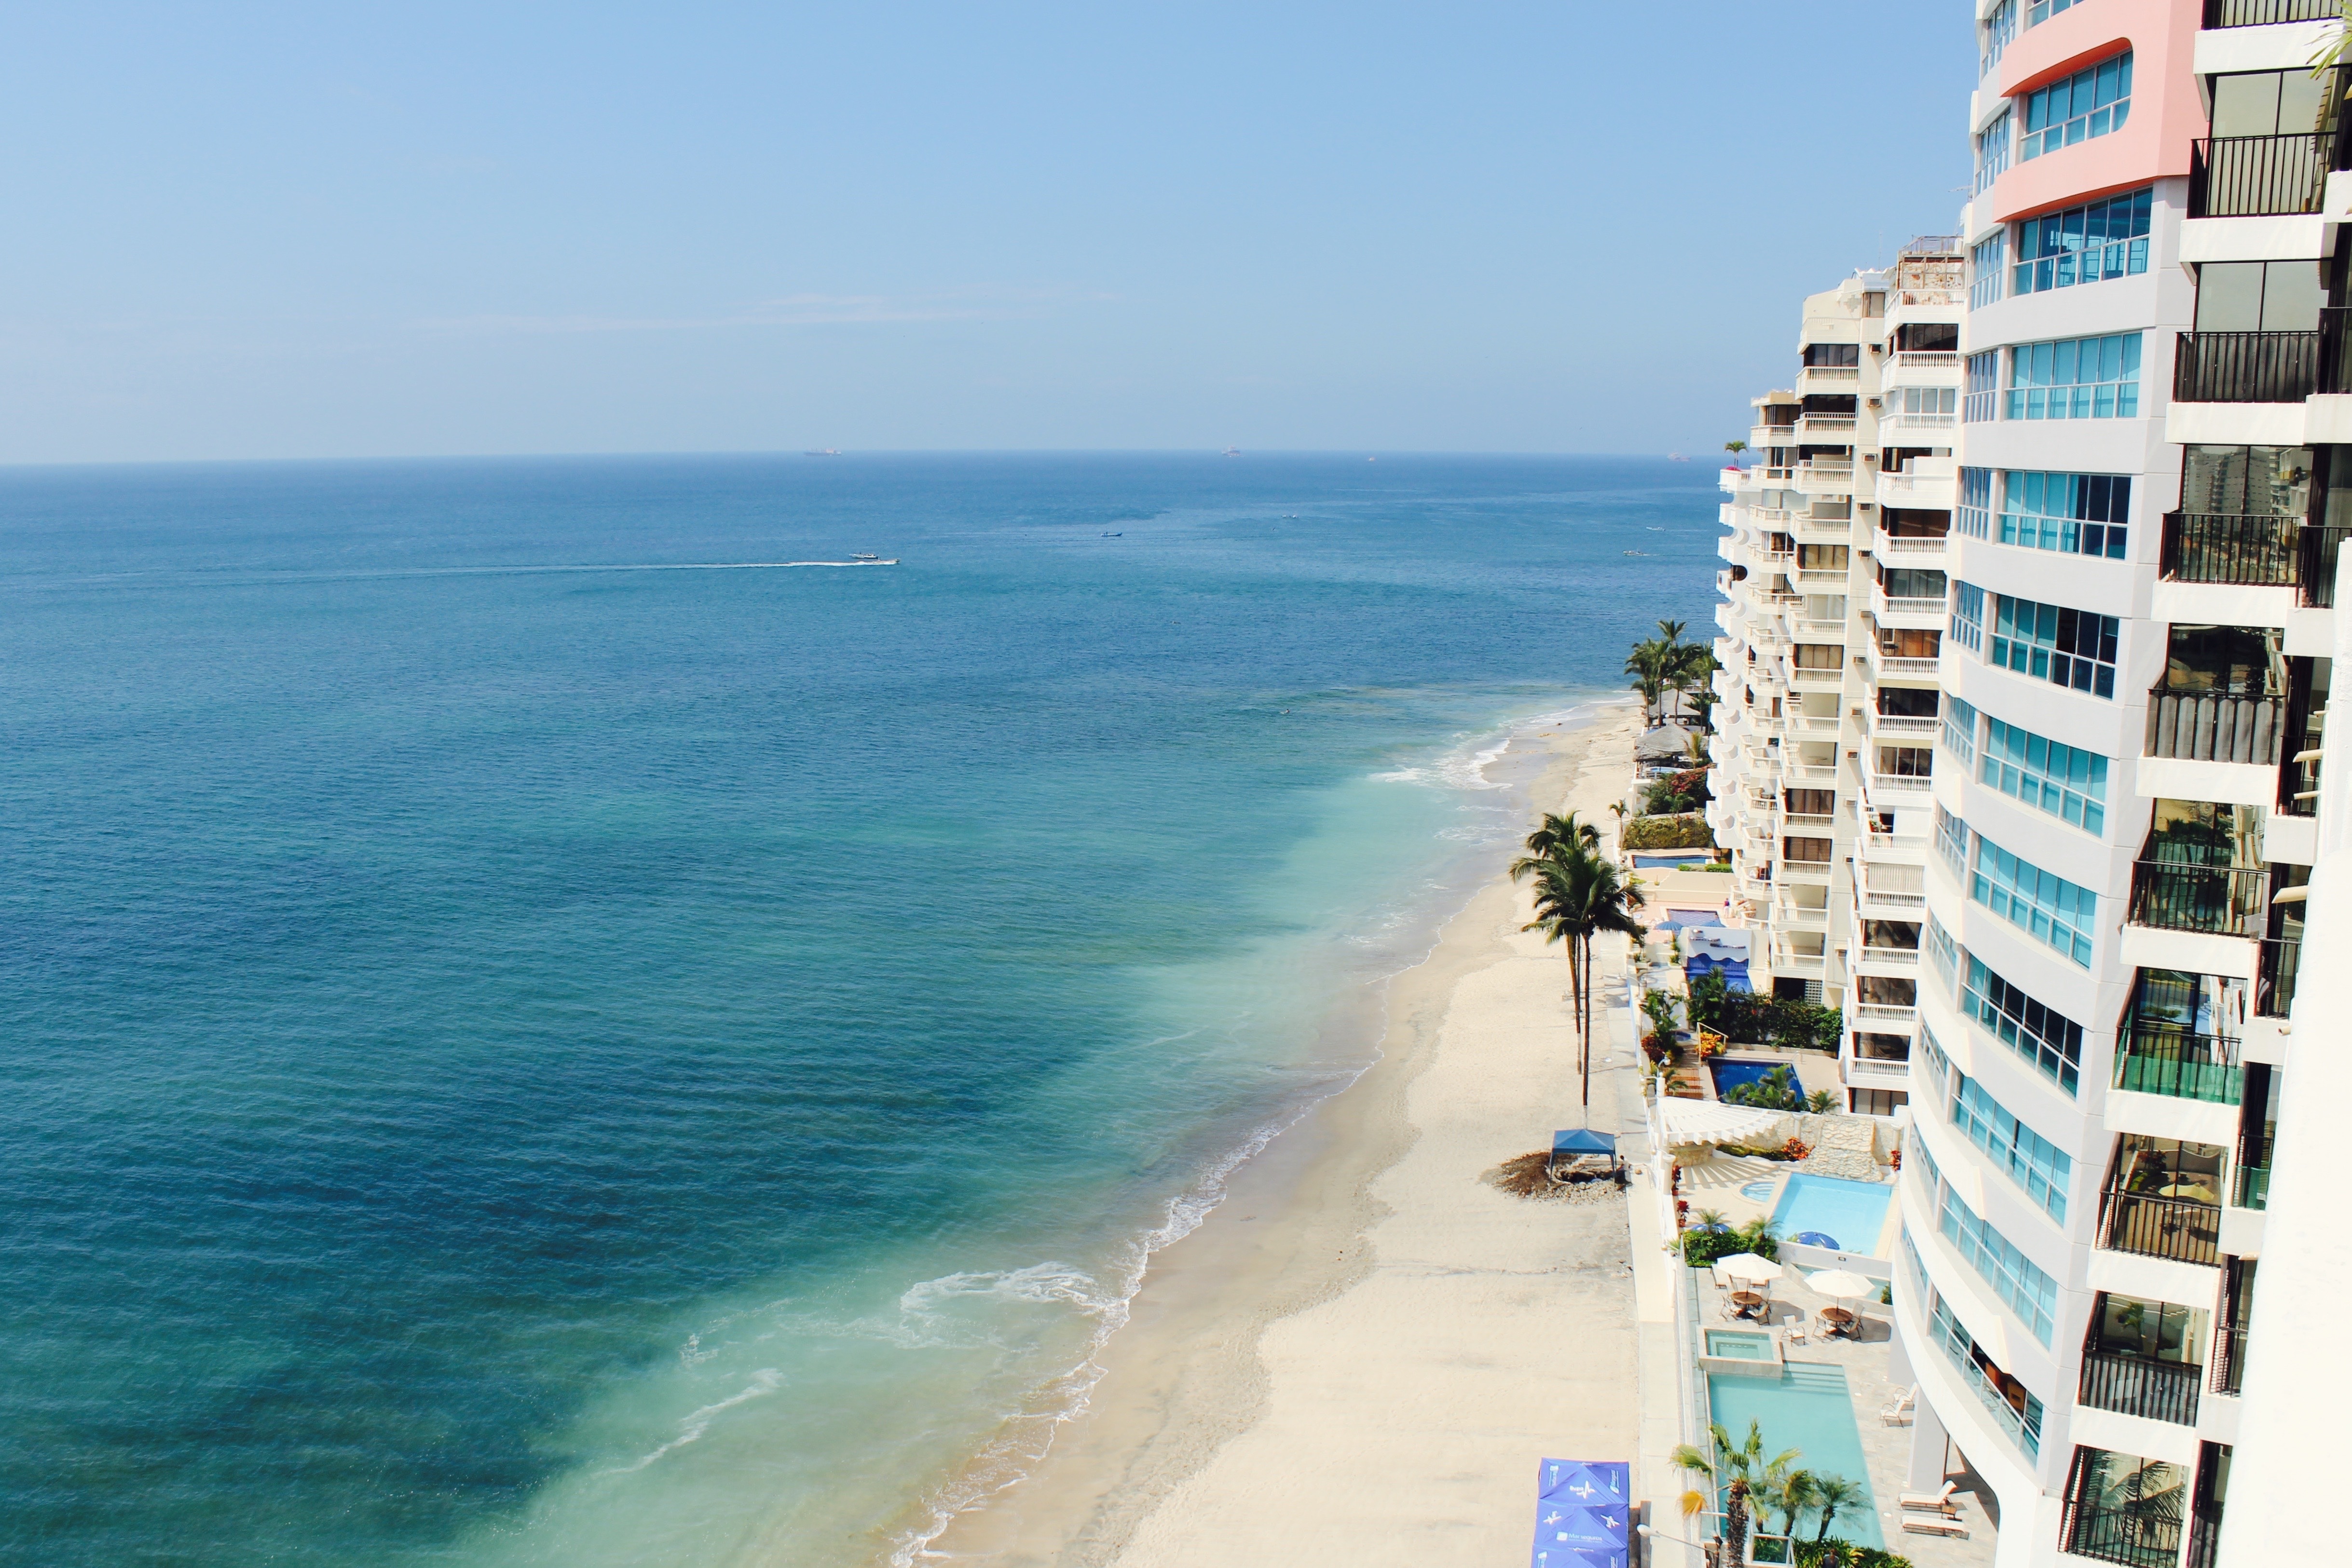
1578, 894
1741, 1471
1796, 1493
1831, 1494
1652, 667
1553, 834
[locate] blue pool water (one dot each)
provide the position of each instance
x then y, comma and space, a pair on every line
1757, 1191
522, 1052
1852, 1212
1806, 1409
1731, 1074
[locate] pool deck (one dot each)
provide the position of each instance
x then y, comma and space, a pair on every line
1885, 1449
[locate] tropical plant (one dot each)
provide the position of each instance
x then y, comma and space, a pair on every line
1836, 1554
1553, 834
1677, 792
1708, 1238
1735, 446
1704, 1002
1829, 1494
1792, 1496
1659, 1008
1740, 1470
1682, 831
1778, 1090
2331, 53
1578, 894
1653, 666
1821, 1101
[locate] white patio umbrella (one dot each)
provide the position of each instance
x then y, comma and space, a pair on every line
1841, 1286
1748, 1265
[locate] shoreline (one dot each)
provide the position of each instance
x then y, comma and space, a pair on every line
1355, 1266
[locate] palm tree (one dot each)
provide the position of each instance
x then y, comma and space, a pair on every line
1740, 1470
1578, 894
1831, 1494
1553, 834
1795, 1494
1652, 668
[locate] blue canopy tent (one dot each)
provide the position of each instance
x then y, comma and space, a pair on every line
1583, 1515
1582, 1142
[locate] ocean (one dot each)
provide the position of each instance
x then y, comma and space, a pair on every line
527, 1048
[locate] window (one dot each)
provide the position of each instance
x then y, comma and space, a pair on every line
2026, 1157
1939, 1066
1819, 655
2260, 297
2089, 244
2246, 481
1983, 400
1968, 616
2051, 1041
2066, 781
2123, 1509
1992, 150
2075, 378
2047, 906
1976, 503
1821, 558
2040, 11
1912, 582
2029, 1292
1960, 735
2088, 103
1952, 841
2153, 1330
2074, 514
1879, 1102
2020, 1413
2270, 103
1806, 851
1998, 30
1988, 262
1924, 406
1834, 356
2066, 647
1905, 762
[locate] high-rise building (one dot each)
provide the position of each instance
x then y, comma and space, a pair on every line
2040, 800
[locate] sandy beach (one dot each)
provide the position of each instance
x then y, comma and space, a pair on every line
1360, 1357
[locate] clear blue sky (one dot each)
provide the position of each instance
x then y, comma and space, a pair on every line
312, 231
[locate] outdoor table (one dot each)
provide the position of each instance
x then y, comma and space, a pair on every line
1837, 1320
1749, 1302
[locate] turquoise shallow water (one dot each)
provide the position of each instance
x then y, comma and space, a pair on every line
1808, 1409
667, 1066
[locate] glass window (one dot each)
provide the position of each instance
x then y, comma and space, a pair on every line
2051, 1041
2066, 647
1983, 400
2066, 781
2074, 514
2075, 378
1967, 617
2260, 297
1826, 356
1976, 503
2053, 911
1952, 841
2003, 1395
1989, 264
1942, 403
1960, 733
2040, 11
2246, 481
2150, 1167
1992, 150
2089, 103
2029, 1292
2121, 1508
2090, 243
2158, 1330
2026, 1157
2268, 103
1931, 1050
1994, 35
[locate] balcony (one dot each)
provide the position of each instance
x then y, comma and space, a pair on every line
1830, 427
2228, 1360
1820, 478
2141, 1386
1762, 436
1890, 957
2248, 551
2222, 900
2154, 1227
2252, 1188
1920, 615
2215, 727
1911, 550
2267, 13
1893, 420
2316, 568
2154, 1060
2136, 1538
1827, 378
2246, 367
2275, 977
2258, 176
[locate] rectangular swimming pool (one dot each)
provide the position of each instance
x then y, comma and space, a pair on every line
1828, 1211
1806, 1409
1734, 1075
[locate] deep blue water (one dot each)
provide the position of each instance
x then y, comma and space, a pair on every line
654, 1067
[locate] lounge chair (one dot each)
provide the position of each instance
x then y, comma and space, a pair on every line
1947, 1526
1931, 1503
1899, 1413
1795, 1333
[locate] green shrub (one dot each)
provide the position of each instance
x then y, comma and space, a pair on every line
1688, 830
1702, 1244
1836, 1554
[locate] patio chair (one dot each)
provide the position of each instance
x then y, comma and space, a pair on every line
1899, 1413
1931, 1503
1951, 1528
1795, 1333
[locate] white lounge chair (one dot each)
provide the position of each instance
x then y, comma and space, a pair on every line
1931, 1502
1899, 1413
1952, 1528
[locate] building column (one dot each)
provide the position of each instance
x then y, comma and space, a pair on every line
1931, 1448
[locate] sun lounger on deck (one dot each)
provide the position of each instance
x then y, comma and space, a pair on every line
1931, 1502
1952, 1528
1899, 1413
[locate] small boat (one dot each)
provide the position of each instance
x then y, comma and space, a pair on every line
863, 555
1231, 452
1120, 535
828, 451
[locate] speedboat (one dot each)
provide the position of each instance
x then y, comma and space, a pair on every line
863, 555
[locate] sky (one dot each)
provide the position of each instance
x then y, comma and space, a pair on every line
251, 231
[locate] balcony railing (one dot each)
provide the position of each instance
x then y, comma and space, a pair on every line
2265, 13
2275, 977
2158, 1060
2228, 1360
2140, 1386
2246, 367
2315, 570
2137, 1538
2156, 1226
1928, 360
2212, 547
2215, 727
2253, 1187
2225, 901
2258, 176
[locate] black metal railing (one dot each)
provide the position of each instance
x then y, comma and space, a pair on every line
2156, 1060
2316, 565
2228, 1360
2204, 1539
2265, 13
2258, 176
2216, 726
2156, 1226
2246, 367
2274, 976
2136, 1538
2236, 547
2253, 1187
2141, 1386
2228, 901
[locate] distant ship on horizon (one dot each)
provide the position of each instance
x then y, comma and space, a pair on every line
827, 452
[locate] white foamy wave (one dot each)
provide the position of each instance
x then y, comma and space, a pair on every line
1464, 767
765, 1382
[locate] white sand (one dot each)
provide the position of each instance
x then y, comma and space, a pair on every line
1360, 1358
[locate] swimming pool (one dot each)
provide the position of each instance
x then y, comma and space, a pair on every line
1806, 1409
1730, 1074
1852, 1213
1758, 1191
